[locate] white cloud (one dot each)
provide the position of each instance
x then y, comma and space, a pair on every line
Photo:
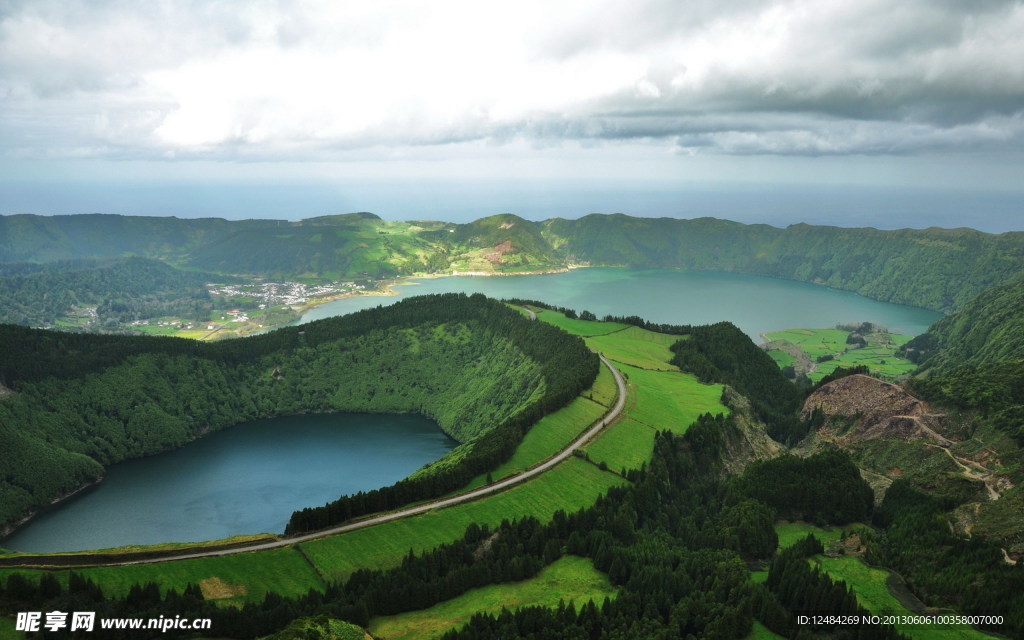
271, 80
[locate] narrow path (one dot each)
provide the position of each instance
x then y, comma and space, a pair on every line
984, 476
494, 487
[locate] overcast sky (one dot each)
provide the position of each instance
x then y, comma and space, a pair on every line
155, 107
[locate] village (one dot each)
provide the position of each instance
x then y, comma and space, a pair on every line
282, 293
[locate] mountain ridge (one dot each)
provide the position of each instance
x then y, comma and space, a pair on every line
939, 269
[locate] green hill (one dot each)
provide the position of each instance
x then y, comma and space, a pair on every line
114, 289
941, 269
988, 330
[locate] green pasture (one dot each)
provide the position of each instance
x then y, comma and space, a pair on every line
879, 355
604, 390
625, 445
791, 532
761, 632
570, 486
283, 571
669, 399
814, 342
569, 579
781, 358
576, 326
637, 347
549, 436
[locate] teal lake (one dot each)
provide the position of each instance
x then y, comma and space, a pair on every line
249, 479
246, 479
753, 303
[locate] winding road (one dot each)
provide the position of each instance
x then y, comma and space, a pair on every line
468, 496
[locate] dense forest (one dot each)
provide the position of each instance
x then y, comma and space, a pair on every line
115, 291
941, 269
472, 364
987, 330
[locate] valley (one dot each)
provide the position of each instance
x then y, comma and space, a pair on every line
716, 461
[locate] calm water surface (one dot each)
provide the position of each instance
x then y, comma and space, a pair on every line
246, 479
753, 303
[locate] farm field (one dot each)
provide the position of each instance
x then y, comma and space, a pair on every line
669, 399
637, 347
570, 486
878, 354
246, 576
625, 445
568, 579
576, 326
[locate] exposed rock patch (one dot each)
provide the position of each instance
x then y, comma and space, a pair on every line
496, 254
860, 407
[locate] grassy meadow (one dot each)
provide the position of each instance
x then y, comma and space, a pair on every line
568, 579
879, 354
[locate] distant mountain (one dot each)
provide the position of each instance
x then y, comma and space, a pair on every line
941, 269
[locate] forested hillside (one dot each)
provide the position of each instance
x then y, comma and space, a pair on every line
470, 363
941, 269
107, 292
987, 330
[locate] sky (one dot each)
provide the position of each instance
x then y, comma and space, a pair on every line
852, 112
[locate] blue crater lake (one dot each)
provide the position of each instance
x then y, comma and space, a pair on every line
246, 479
755, 304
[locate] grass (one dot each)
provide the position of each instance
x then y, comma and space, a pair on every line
604, 390
569, 579
791, 532
7, 631
761, 632
670, 399
637, 347
283, 571
814, 342
879, 355
547, 437
625, 445
556, 430
576, 326
781, 358
570, 486
870, 585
